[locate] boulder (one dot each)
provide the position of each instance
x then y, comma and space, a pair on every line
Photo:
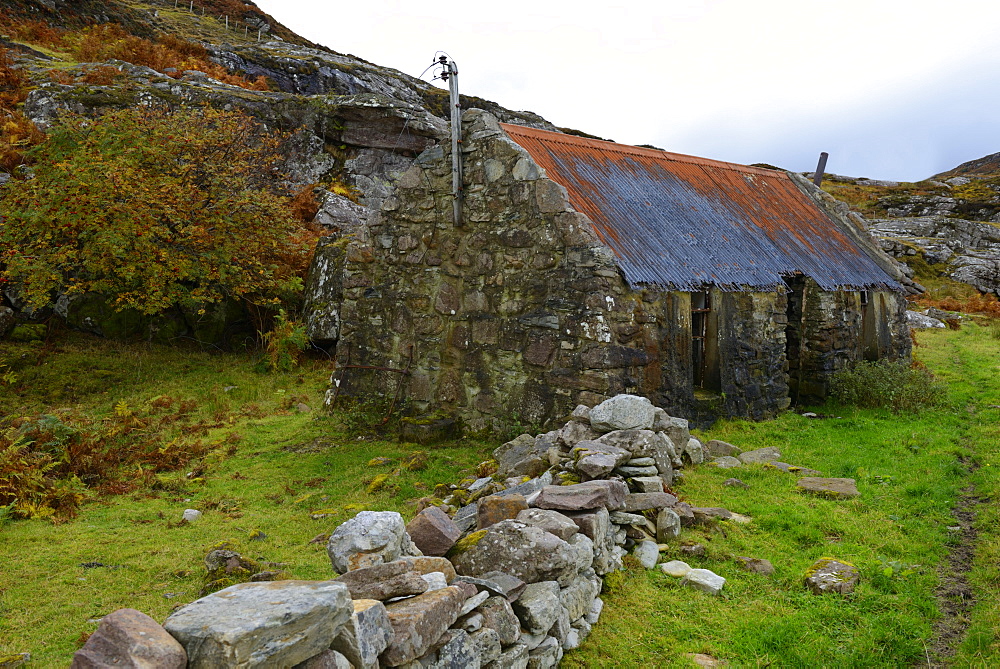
522, 456
831, 488
829, 575
624, 518
433, 531
704, 580
622, 412
704, 515
419, 622
275, 623
718, 448
494, 508
365, 635
668, 525
755, 565
370, 538
583, 496
574, 432
130, 638
578, 596
594, 524
550, 521
726, 462
538, 606
647, 553
498, 615
678, 433
694, 452
528, 553
759, 455
546, 655
675, 568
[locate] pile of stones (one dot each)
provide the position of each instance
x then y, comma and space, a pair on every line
499, 572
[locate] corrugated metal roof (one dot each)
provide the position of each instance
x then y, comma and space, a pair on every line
684, 222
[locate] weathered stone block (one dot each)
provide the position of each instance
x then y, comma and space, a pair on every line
529, 553
704, 580
582, 496
623, 412
391, 579
550, 521
433, 531
494, 508
370, 538
420, 622
759, 455
668, 525
130, 638
277, 623
366, 634
717, 448
538, 606
498, 614
829, 575
641, 501
832, 488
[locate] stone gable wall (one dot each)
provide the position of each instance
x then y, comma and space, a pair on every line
514, 317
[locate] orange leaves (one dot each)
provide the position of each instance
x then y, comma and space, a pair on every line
160, 208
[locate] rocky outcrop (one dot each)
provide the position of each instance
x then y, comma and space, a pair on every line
968, 251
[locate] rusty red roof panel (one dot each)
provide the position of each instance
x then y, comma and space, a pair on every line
684, 222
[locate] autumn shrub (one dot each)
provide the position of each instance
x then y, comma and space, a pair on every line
107, 41
979, 303
29, 487
154, 209
284, 343
897, 385
17, 133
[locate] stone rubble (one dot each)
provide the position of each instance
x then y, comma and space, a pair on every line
502, 572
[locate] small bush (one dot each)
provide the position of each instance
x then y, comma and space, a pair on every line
895, 385
284, 344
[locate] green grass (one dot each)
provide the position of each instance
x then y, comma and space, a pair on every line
287, 466
909, 473
910, 469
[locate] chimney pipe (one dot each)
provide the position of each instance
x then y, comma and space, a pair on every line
820, 168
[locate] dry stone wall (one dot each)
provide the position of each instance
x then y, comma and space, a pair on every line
498, 572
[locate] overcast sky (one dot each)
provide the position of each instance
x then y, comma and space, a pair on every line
891, 89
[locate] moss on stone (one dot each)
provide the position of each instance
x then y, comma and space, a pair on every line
416, 461
466, 543
379, 483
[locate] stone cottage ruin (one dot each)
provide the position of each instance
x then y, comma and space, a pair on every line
583, 268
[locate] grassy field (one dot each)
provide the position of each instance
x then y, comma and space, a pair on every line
276, 467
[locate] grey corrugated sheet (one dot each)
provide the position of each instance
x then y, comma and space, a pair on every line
683, 222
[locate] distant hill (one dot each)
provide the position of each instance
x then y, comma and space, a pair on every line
980, 167
143, 19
